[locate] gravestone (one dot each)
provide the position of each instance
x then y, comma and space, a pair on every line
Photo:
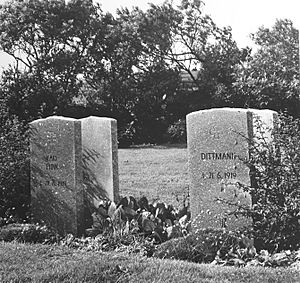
73, 165
218, 146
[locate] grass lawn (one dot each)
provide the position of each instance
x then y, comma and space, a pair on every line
157, 172
52, 263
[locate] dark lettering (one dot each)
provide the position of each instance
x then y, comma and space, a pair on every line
51, 166
56, 183
229, 156
218, 155
51, 158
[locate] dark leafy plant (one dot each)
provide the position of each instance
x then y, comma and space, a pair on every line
155, 221
275, 188
14, 169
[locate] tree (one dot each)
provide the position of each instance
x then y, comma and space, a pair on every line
201, 51
270, 77
114, 65
135, 78
49, 41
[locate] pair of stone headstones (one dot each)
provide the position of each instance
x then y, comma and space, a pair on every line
74, 165
218, 146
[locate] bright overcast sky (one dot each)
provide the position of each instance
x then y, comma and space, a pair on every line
244, 16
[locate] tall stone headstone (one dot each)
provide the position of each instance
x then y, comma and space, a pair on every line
73, 165
218, 146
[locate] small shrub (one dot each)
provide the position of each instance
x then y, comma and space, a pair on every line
177, 132
275, 188
14, 168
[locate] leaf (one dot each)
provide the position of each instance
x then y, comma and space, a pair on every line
148, 225
126, 228
133, 203
117, 216
236, 262
98, 221
101, 210
129, 213
112, 209
124, 202
143, 203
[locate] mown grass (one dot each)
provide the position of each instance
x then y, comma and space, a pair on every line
52, 263
157, 172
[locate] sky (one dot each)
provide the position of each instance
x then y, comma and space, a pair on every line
244, 16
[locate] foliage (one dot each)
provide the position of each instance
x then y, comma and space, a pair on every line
207, 54
217, 247
276, 192
134, 81
14, 169
206, 245
106, 242
49, 41
27, 233
275, 188
270, 77
72, 59
156, 221
177, 131
223, 247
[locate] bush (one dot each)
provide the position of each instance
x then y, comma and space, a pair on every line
177, 132
14, 168
275, 188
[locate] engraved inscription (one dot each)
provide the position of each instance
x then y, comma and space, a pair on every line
219, 175
51, 162
51, 158
56, 183
219, 156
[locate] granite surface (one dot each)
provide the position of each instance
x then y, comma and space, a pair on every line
73, 166
218, 146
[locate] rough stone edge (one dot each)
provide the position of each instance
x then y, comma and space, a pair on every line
79, 189
115, 162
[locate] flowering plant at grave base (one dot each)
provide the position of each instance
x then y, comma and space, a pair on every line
156, 221
275, 189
